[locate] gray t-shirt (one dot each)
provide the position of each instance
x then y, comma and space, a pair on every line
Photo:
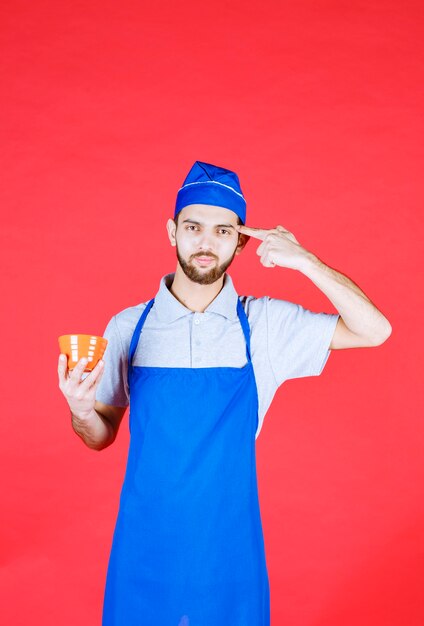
287, 340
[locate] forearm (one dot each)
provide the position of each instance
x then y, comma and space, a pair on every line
95, 430
359, 314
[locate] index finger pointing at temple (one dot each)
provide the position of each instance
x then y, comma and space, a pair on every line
259, 233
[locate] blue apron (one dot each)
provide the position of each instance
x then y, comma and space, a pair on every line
188, 546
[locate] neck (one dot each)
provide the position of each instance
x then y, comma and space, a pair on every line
192, 295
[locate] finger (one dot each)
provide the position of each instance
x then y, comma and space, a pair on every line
292, 237
75, 375
265, 262
259, 233
266, 259
287, 234
93, 377
62, 367
261, 249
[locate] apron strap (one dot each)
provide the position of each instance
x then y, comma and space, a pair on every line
136, 336
245, 326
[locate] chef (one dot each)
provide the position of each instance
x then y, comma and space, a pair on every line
198, 366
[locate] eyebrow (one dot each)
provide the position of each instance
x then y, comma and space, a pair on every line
217, 225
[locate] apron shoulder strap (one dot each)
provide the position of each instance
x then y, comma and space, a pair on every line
245, 326
137, 331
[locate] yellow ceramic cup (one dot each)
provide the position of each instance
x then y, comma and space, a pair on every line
78, 346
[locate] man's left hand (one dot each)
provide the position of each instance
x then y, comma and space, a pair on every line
279, 246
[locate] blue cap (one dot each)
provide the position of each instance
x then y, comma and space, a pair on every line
209, 184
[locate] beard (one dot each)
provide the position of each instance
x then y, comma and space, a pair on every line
204, 277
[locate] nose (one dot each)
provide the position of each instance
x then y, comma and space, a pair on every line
205, 244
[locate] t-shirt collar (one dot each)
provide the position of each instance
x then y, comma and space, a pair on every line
168, 308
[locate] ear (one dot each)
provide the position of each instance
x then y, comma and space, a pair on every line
243, 239
171, 227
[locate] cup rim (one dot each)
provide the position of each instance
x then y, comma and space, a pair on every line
82, 335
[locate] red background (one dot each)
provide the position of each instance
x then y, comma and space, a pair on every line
317, 105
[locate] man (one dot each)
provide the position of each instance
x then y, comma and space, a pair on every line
199, 366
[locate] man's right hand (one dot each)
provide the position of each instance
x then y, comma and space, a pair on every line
80, 394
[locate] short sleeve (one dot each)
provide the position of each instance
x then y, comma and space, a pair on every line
113, 388
298, 339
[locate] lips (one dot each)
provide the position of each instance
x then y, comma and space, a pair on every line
204, 260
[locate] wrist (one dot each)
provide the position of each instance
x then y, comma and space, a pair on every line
307, 261
82, 416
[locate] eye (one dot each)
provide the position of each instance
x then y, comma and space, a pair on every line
191, 226
225, 231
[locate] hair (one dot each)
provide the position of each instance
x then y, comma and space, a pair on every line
239, 221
